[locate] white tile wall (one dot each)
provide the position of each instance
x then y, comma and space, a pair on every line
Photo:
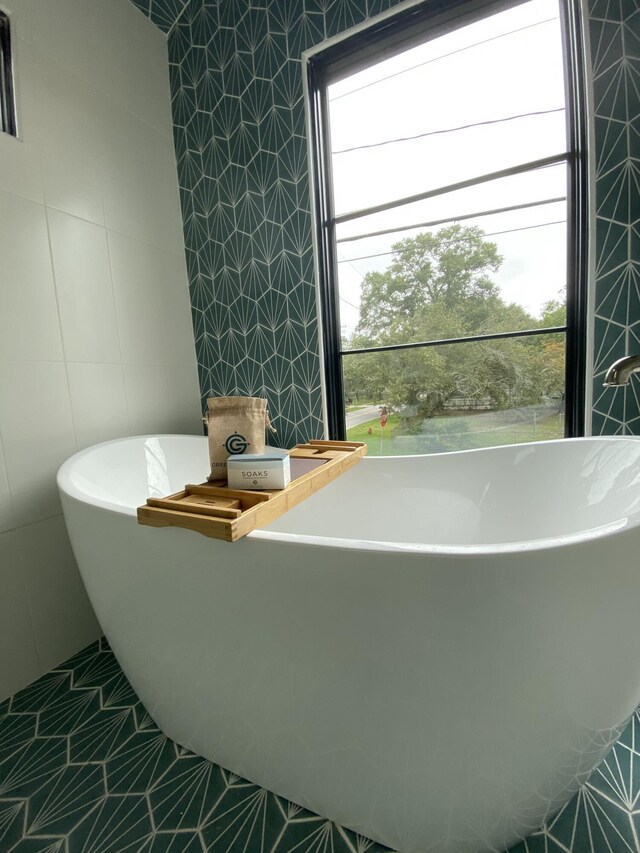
146, 392
71, 156
166, 221
55, 590
98, 402
125, 190
83, 284
137, 299
183, 394
7, 518
37, 434
174, 309
29, 327
95, 326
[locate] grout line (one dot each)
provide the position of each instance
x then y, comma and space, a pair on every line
177, 253
31, 523
62, 342
178, 16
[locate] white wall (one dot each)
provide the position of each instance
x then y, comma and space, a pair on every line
95, 327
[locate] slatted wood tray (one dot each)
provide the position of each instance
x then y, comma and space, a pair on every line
229, 514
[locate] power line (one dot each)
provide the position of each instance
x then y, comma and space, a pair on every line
451, 242
444, 56
447, 130
543, 163
342, 299
346, 301
465, 216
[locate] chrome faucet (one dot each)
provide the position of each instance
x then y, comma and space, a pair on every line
620, 371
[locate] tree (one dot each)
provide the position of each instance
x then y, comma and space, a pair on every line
438, 287
551, 352
448, 269
554, 312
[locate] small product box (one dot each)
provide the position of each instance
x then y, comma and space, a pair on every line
268, 470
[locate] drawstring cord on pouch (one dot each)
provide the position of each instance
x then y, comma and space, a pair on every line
269, 425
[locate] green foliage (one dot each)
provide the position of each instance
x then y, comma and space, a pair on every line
448, 269
438, 287
554, 312
463, 432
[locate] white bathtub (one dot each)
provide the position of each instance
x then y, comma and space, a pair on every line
433, 651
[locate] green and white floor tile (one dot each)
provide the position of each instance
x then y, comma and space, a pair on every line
84, 769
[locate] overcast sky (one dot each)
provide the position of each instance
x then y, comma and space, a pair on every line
504, 66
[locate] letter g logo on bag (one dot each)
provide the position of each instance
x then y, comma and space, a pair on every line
236, 444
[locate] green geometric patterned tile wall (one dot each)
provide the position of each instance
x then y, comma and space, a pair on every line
614, 27
242, 162
240, 138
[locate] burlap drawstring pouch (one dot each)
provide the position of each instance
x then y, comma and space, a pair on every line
235, 425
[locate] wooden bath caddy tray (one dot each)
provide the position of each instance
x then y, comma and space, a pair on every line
229, 514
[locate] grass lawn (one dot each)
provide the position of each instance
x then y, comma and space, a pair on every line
456, 432
361, 432
357, 407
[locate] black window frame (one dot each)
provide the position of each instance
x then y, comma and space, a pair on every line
8, 122
385, 36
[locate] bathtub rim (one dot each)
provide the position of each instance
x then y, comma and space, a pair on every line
621, 525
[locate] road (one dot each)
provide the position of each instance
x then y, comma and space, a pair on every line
361, 416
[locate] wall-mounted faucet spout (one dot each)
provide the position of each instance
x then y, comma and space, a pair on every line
621, 370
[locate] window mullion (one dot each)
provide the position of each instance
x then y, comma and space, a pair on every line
494, 336
461, 218
327, 257
552, 160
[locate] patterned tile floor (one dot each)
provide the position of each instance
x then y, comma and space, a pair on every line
83, 769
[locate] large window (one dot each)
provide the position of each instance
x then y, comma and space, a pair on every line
7, 103
450, 206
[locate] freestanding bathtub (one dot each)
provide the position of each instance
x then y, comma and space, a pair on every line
433, 651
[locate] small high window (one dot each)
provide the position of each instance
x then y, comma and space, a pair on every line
7, 100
